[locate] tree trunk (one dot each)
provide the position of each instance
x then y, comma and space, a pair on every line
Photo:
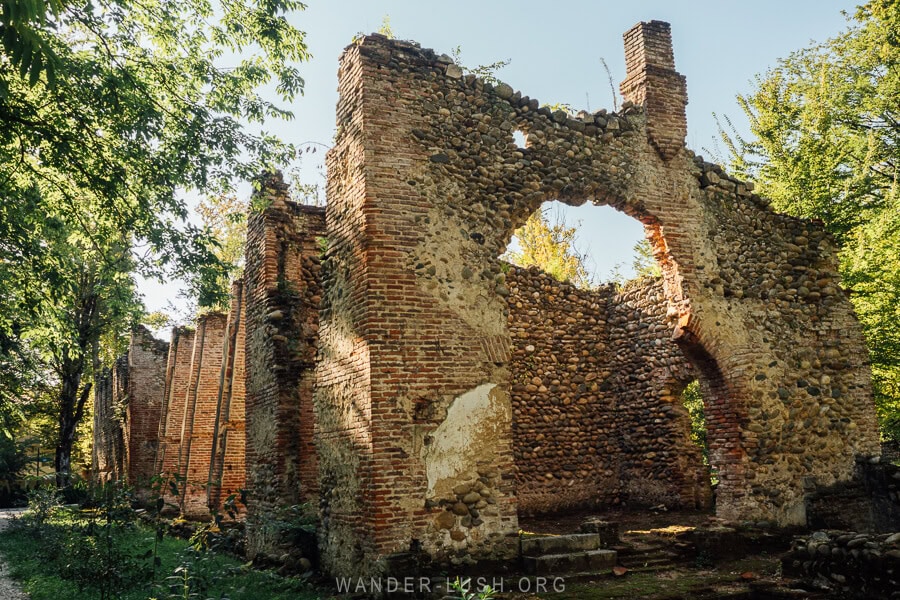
70, 414
71, 369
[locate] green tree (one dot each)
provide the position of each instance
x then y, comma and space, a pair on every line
551, 248
82, 301
693, 402
111, 111
644, 263
225, 216
826, 126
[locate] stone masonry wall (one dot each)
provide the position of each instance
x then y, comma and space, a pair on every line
147, 358
227, 469
198, 424
659, 464
597, 414
283, 291
426, 187
565, 439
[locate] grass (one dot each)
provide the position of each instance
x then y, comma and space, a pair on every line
63, 560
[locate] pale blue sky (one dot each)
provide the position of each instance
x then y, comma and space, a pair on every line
555, 50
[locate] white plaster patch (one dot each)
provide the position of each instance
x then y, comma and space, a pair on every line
475, 420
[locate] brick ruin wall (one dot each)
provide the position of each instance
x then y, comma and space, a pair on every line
178, 370
394, 386
127, 403
227, 469
108, 448
426, 186
283, 291
197, 425
597, 416
147, 361
184, 415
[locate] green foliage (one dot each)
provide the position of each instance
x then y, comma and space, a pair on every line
13, 461
692, 399
551, 248
225, 217
557, 106
111, 111
484, 72
22, 23
463, 587
645, 265
826, 126
105, 552
385, 28
43, 502
693, 402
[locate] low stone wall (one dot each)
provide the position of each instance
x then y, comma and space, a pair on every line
853, 565
869, 502
597, 412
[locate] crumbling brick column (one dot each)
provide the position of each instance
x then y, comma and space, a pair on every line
199, 414
651, 81
282, 292
147, 358
108, 449
171, 418
226, 474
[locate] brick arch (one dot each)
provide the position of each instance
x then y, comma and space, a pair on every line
425, 186
724, 420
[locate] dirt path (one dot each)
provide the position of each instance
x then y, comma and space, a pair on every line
9, 590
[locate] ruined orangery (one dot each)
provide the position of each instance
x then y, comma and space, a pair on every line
382, 363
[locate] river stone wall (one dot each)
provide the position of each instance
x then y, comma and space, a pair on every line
848, 564
597, 413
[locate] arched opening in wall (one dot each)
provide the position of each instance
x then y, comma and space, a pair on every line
598, 420
692, 399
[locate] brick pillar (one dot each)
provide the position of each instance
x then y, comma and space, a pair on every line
178, 371
412, 402
146, 393
652, 81
108, 451
282, 291
200, 413
226, 473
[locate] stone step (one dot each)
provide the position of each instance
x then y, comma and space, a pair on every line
625, 559
560, 544
588, 561
654, 562
651, 563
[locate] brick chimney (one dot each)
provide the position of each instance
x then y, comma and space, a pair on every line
652, 81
